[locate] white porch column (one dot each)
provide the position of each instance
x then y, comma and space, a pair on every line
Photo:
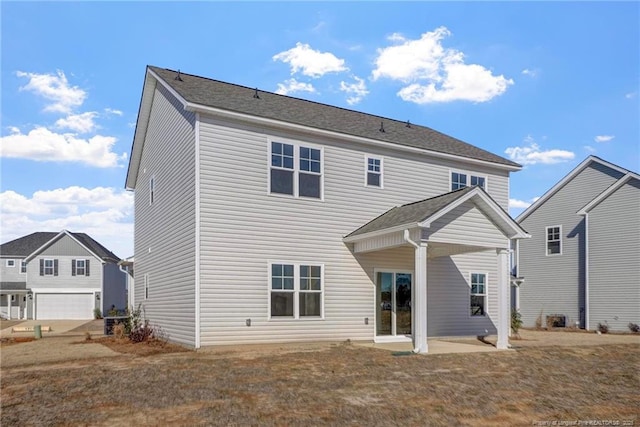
9, 305
420, 304
504, 317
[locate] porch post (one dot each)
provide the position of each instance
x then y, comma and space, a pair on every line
420, 306
504, 318
9, 296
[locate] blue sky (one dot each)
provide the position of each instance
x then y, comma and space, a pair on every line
543, 83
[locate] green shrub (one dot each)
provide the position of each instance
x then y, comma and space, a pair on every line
516, 321
97, 313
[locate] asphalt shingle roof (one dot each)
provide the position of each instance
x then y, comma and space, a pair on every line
25, 246
411, 213
241, 99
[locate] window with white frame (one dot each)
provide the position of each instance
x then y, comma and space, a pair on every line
478, 302
146, 286
373, 176
48, 267
152, 189
23, 267
554, 241
462, 180
295, 170
11, 263
80, 267
296, 291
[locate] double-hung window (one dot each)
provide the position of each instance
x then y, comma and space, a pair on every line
462, 180
373, 176
80, 267
11, 263
478, 303
23, 267
295, 170
554, 242
296, 291
48, 267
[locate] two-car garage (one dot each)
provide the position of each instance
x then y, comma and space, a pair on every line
72, 306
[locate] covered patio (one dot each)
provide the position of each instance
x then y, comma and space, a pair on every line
465, 221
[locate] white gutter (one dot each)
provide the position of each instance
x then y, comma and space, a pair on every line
586, 272
407, 238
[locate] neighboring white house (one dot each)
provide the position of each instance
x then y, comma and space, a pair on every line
582, 264
59, 276
266, 218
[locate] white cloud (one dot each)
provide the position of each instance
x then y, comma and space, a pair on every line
435, 74
531, 154
106, 214
83, 123
312, 63
42, 144
113, 111
530, 73
631, 95
589, 148
293, 86
357, 90
518, 204
55, 88
603, 138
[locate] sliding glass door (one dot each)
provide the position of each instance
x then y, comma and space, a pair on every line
393, 303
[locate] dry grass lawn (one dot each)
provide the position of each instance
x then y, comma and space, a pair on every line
336, 384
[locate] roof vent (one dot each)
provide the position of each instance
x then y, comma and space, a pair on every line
256, 95
381, 127
178, 77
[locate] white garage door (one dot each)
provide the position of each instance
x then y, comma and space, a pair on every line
64, 306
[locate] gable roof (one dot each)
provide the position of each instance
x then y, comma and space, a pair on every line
609, 191
564, 181
214, 96
28, 246
424, 212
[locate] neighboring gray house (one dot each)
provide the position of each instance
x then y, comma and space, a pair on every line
265, 218
582, 264
59, 276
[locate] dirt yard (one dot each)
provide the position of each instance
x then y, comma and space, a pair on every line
321, 384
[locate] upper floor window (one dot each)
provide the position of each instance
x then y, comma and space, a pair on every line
462, 180
373, 177
152, 189
11, 263
80, 267
554, 242
23, 267
478, 302
48, 267
296, 170
296, 290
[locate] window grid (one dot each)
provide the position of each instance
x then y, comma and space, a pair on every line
295, 170
23, 267
11, 263
48, 267
80, 267
462, 179
458, 180
373, 176
478, 294
554, 243
296, 291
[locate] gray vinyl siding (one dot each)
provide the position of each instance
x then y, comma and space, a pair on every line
466, 225
614, 259
66, 246
243, 228
165, 231
115, 288
554, 284
64, 279
11, 274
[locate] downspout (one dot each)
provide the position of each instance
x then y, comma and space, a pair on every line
586, 272
407, 239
